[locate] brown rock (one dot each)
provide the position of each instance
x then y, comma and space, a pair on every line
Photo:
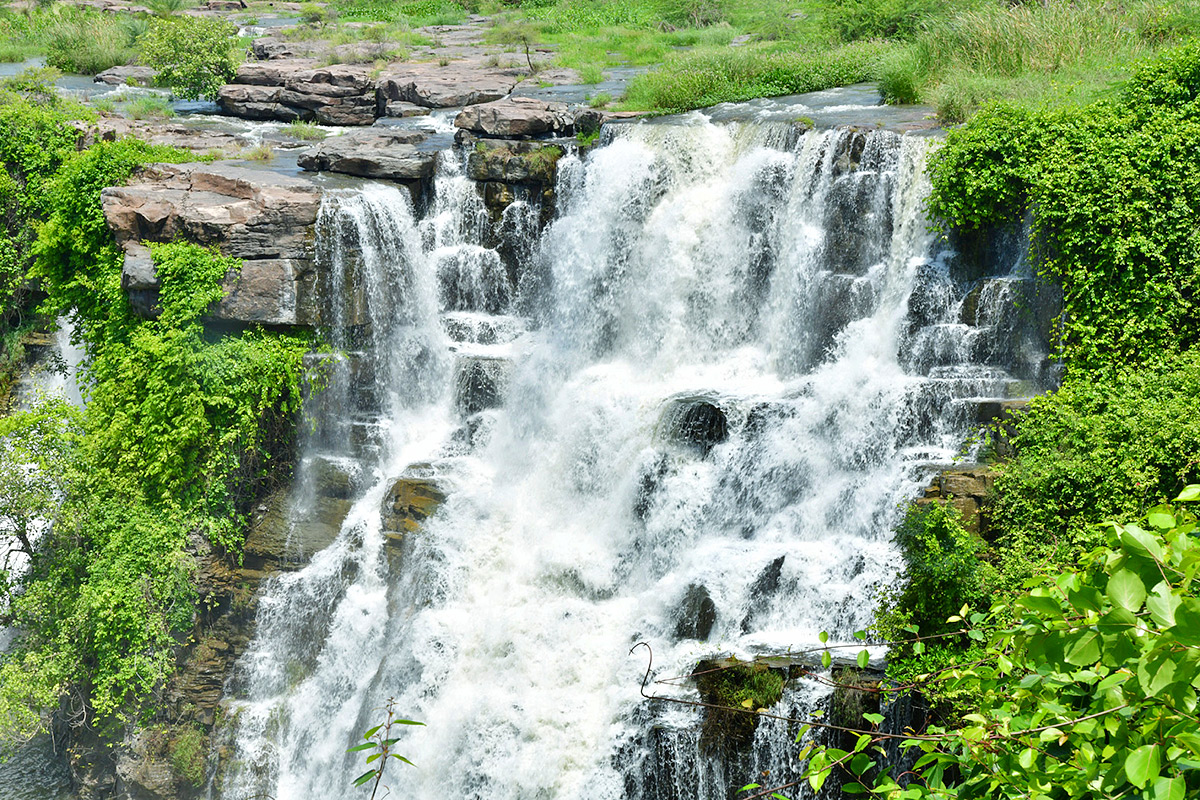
413, 498
444, 87
515, 117
376, 153
514, 162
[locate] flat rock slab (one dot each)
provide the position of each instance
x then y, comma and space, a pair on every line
376, 153
451, 86
516, 117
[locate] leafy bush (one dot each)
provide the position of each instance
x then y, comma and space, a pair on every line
195, 56
1088, 694
851, 20
178, 435
1096, 450
942, 571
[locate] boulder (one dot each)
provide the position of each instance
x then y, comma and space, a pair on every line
252, 101
413, 498
341, 94
127, 76
271, 73
697, 614
376, 153
516, 117
514, 162
261, 217
400, 109
969, 490
450, 86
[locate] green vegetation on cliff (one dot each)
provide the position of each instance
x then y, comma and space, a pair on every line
180, 432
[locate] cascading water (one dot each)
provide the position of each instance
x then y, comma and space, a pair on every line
712, 384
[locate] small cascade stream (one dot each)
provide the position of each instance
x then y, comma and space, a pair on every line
714, 380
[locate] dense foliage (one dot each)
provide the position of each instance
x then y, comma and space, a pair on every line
1114, 192
194, 56
1090, 693
181, 430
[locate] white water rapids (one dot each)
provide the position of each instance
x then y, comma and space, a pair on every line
706, 372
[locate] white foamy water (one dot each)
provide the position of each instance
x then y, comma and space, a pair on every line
704, 373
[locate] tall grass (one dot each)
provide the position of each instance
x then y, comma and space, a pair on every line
707, 77
1053, 52
78, 40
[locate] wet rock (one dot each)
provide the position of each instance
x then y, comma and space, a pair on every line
516, 117
479, 384
856, 693
413, 498
400, 109
696, 423
765, 586
127, 76
734, 690
514, 162
451, 86
377, 153
697, 614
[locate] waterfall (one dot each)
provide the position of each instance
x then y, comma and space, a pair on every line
719, 373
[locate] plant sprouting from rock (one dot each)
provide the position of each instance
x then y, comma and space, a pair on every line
378, 745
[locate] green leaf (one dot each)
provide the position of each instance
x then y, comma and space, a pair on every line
366, 776
1167, 789
1141, 765
876, 719
406, 722
826, 660
372, 732
1161, 519
1190, 492
402, 758
1162, 604
373, 757
864, 658
358, 747
1125, 589
1084, 650
823, 636
1139, 542
1040, 604
750, 786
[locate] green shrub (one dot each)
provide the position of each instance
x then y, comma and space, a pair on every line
1096, 450
851, 20
942, 571
186, 750
194, 56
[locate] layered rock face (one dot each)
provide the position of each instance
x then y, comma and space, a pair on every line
261, 217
